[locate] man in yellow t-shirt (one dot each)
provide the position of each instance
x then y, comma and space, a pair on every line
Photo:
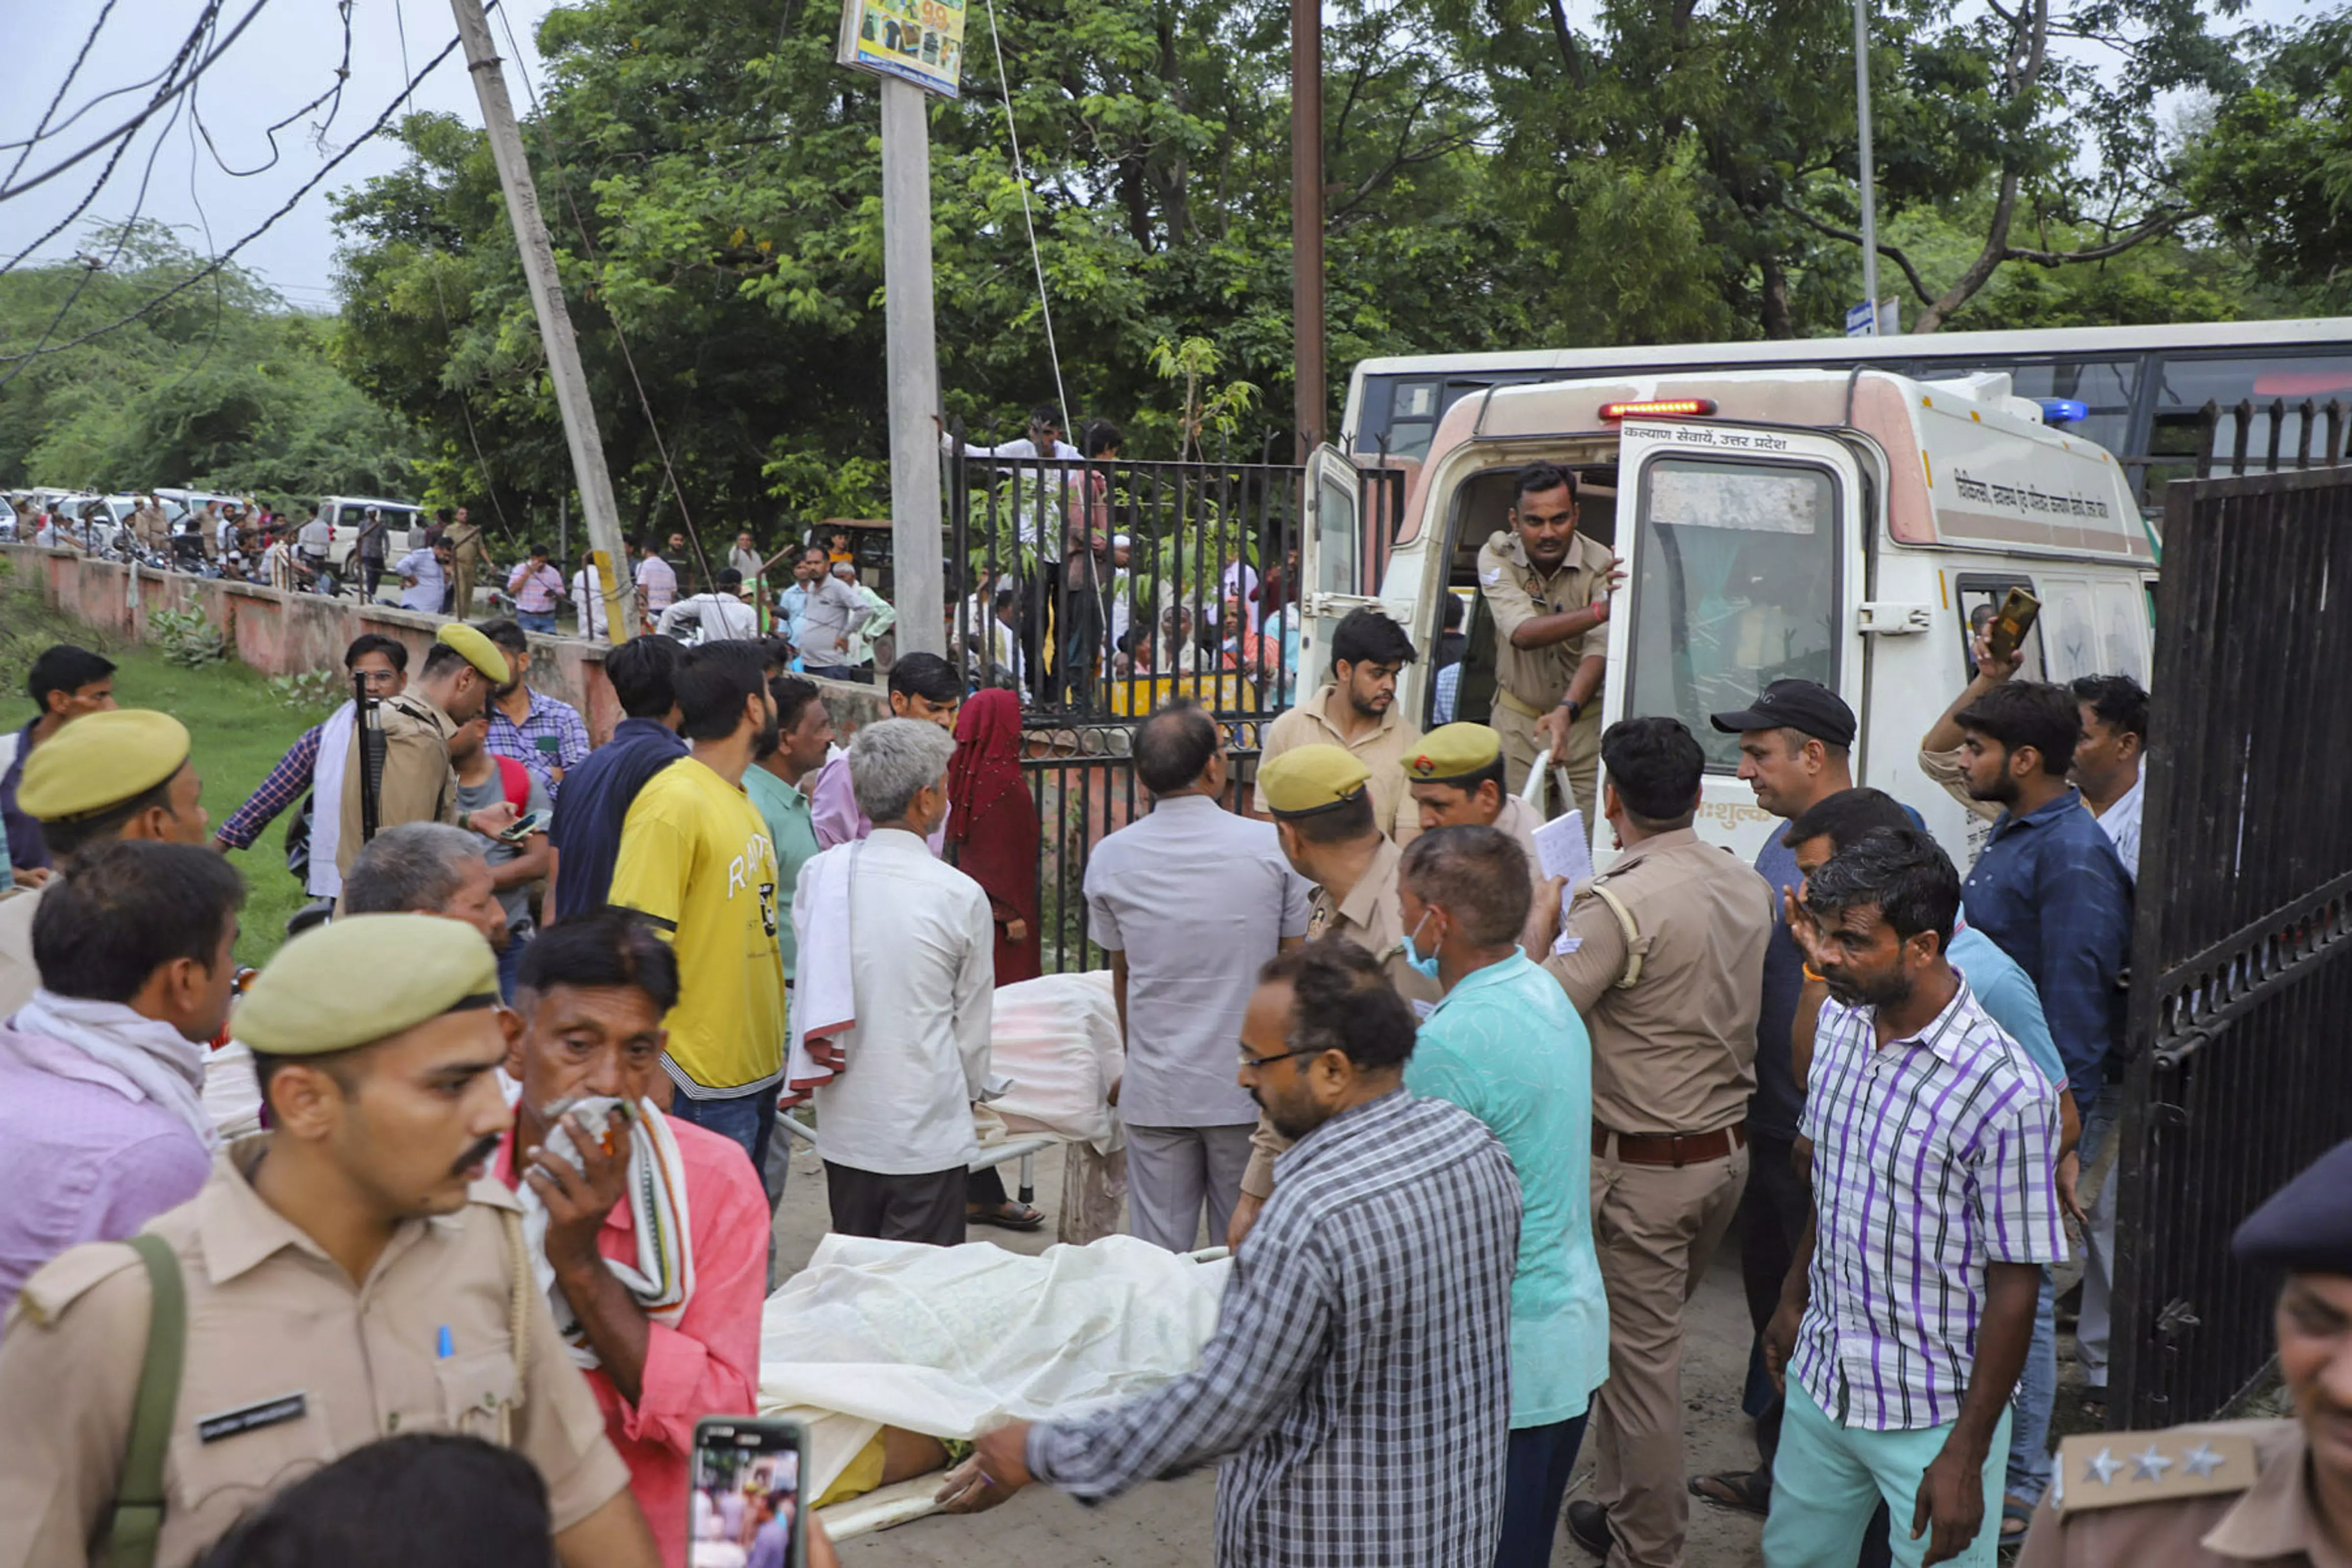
696, 858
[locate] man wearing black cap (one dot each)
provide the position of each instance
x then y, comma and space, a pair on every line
2232, 1493
1795, 748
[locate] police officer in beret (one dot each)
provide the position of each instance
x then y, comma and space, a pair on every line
1456, 776
419, 783
348, 1277
1320, 799
122, 773
2226, 1494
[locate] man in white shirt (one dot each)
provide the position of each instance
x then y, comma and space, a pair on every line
832, 612
588, 597
1190, 903
424, 577
916, 937
718, 617
2108, 759
881, 615
657, 584
312, 541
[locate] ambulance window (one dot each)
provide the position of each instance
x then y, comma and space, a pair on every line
1979, 599
1737, 587
1335, 535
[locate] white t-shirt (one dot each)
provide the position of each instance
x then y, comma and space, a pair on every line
718, 617
588, 598
314, 537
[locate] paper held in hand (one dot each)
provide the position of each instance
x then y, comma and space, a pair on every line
1565, 849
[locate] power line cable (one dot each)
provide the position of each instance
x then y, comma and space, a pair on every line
620, 336
168, 94
20, 361
41, 127
1021, 179
334, 96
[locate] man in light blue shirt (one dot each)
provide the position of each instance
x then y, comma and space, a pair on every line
1505, 1044
2006, 994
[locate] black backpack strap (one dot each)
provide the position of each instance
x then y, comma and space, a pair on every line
139, 1497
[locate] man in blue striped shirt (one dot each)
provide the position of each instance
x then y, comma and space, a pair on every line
1907, 1314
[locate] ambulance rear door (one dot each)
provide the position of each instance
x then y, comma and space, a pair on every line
1337, 558
1743, 549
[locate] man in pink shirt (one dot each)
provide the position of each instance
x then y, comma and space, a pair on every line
922, 686
102, 1119
667, 1334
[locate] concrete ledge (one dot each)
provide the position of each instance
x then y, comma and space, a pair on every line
277, 633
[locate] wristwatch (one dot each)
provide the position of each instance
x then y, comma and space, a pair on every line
1575, 710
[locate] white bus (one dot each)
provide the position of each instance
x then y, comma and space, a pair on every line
2142, 388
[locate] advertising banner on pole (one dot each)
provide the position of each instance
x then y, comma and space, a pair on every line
918, 41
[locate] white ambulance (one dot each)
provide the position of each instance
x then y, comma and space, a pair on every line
1838, 526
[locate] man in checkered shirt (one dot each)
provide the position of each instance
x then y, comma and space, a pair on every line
1359, 1376
1907, 1315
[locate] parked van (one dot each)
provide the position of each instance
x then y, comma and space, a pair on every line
1834, 525
404, 523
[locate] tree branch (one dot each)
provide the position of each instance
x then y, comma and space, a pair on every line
1566, 38
1894, 253
2161, 224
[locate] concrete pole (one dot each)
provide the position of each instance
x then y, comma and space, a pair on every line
915, 536
588, 472
1309, 408
1868, 160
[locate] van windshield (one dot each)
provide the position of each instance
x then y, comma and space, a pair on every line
1737, 585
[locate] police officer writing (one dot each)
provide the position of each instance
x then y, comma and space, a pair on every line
348, 1277
2232, 1493
1667, 964
1547, 585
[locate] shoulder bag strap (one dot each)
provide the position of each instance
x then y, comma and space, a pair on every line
138, 1522
522, 1283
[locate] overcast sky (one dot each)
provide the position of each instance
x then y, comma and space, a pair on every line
288, 55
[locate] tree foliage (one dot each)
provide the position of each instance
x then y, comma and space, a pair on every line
221, 388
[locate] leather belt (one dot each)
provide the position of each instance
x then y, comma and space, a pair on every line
1671, 1148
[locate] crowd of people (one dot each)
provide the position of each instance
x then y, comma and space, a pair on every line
486, 1158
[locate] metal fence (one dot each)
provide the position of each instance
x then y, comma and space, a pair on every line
2253, 437
1204, 596
2236, 1072
1203, 600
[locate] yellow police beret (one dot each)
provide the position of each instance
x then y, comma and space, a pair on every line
480, 651
99, 760
364, 978
1451, 753
1310, 780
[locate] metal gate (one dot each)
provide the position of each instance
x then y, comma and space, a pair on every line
2238, 1074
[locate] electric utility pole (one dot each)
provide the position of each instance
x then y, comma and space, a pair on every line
563, 369
1869, 164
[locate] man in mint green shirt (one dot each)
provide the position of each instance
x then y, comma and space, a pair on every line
804, 734
1505, 1044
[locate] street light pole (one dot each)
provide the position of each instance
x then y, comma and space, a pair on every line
913, 365
1308, 406
1869, 165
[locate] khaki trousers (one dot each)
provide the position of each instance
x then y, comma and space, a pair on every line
1655, 1227
1582, 761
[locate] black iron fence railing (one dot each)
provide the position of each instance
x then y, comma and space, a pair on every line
2237, 1074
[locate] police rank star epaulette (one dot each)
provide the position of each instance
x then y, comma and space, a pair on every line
2116, 1469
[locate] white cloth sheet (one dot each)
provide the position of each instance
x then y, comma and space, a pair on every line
951, 1342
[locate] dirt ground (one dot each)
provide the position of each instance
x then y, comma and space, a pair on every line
1167, 1524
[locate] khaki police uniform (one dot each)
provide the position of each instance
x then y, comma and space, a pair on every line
88, 767
1529, 682
290, 1367
289, 1364
420, 781
1381, 750
467, 554
1371, 917
2223, 1495
1674, 1052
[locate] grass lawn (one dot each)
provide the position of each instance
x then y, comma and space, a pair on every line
239, 730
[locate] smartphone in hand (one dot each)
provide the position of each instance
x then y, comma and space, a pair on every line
744, 1501
2007, 634
527, 825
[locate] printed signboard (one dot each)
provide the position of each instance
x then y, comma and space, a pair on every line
920, 41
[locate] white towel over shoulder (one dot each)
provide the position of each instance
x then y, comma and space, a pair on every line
824, 1001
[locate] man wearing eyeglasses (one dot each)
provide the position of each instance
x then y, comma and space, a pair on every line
1359, 1382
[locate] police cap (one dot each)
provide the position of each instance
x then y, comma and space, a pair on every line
99, 760
1311, 780
1453, 755
365, 978
2306, 1226
480, 652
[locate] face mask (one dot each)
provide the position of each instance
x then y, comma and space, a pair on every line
1424, 967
